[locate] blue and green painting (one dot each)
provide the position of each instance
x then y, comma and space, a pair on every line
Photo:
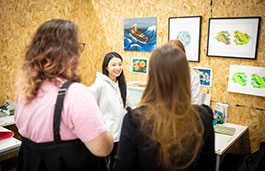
140, 34
240, 78
257, 81
247, 80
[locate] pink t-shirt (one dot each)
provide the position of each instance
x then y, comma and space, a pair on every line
81, 117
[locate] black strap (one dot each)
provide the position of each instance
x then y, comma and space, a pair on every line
58, 110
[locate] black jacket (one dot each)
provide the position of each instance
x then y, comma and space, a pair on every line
133, 155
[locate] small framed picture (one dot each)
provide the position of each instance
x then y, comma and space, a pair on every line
205, 76
188, 31
233, 37
139, 65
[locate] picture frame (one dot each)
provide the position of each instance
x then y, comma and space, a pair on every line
245, 79
233, 37
188, 31
140, 34
140, 65
205, 76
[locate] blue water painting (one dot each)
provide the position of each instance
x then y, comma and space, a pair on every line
140, 34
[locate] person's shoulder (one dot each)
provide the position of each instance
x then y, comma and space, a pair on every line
133, 115
79, 88
101, 81
205, 111
204, 108
206, 116
193, 73
137, 111
192, 70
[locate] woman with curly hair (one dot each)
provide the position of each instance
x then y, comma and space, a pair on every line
61, 129
166, 132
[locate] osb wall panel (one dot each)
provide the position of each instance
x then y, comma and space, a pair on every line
101, 28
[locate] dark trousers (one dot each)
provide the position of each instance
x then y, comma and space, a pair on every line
112, 155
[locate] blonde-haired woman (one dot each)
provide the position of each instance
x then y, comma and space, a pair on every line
167, 132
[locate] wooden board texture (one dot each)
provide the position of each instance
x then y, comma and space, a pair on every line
101, 24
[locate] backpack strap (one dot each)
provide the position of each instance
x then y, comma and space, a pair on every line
58, 110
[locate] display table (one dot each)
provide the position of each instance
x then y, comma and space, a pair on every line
224, 142
135, 92
8, 145
7, 120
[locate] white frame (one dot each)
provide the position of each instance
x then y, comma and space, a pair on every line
247, 71
192, 25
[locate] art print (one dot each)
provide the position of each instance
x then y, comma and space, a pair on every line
188, 31
140, 34
233, 37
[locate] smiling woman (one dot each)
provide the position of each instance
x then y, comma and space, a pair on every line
114, 68
112, 97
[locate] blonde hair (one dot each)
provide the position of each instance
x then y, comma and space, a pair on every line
169, 118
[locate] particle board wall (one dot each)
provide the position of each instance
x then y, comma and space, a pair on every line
101, 28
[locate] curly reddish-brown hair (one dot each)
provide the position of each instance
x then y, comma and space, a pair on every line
53, 53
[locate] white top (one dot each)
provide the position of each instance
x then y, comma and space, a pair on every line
223, 142
109, 99
195, 86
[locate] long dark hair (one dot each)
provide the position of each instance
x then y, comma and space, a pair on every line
121, 78
170, 119
53, 52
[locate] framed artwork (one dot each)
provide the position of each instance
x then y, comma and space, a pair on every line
140, 34
247, 80
139, 65
205, 76
233, 37
188, 31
